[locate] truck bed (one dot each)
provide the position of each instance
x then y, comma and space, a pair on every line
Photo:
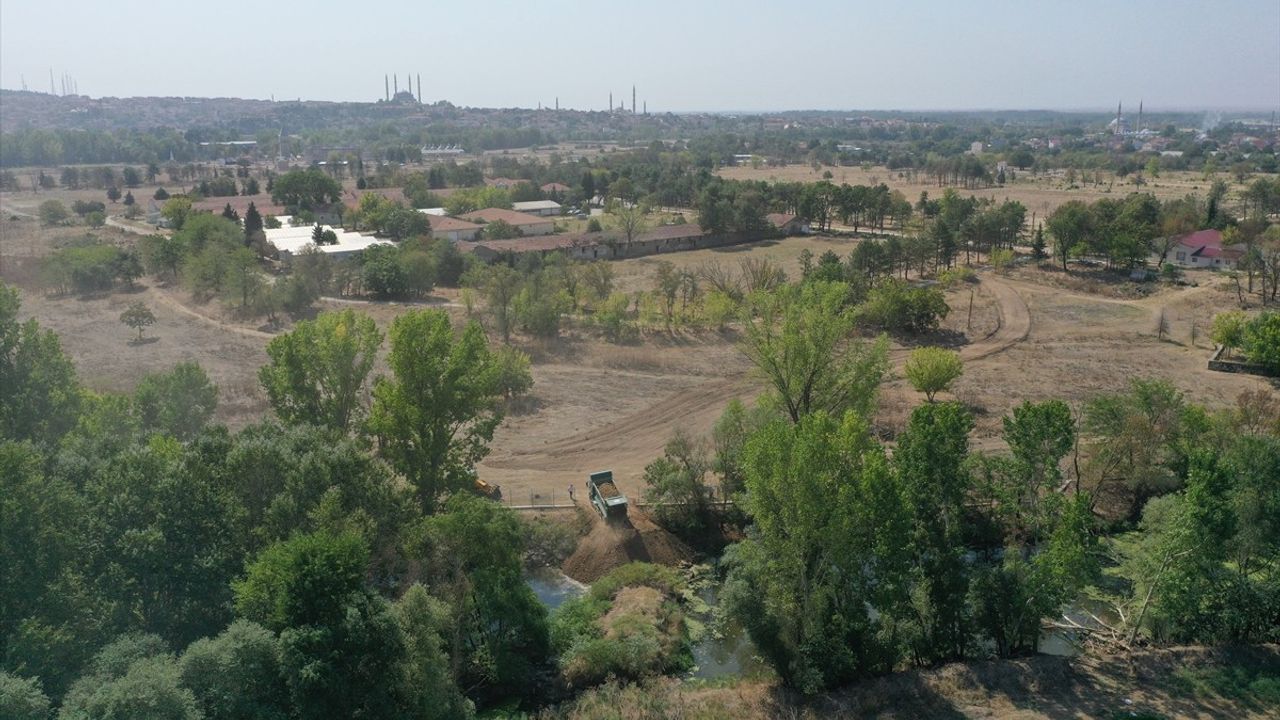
607, 490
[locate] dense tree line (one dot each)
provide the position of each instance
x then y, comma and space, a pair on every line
157, 563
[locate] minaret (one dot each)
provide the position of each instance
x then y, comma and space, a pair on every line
386, 85
419, 88
557, 103
610, 102
633, 99
395, 85
646, 107
1139, 116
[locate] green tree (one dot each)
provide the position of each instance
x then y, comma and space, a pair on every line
828, 543
1071, 225
138, 316
382, 272
305, 189
931, 370
39, 394
435, 417
178, 403
40, 520
501, 285
236, 674
22, 698
176, 210
113, 193
1262, 340
514, 378
163, 254
432, 692
675, 484
800, 341
930, 464
149, 688
53, 212
339, 642
497, 631
317, 373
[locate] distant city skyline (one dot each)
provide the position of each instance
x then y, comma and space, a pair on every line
749, 56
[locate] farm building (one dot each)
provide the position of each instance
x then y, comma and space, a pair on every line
1203, 249
525, 223
542, 208
788, 224
293, 240
452, 228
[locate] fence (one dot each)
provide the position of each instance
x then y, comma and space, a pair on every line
1232, 366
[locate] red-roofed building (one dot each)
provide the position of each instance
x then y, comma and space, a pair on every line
452, 228
788, 224
555, 188
1203, 249
527, 224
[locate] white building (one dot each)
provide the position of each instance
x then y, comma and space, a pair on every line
293, 240
541, 208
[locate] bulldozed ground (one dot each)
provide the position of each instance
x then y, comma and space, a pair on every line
1031, 335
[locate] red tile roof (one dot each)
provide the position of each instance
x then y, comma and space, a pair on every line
1202, 238
510, 217
443, 223
555, 187
779, 220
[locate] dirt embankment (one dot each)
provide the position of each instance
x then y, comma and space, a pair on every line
1164, 683
613, 544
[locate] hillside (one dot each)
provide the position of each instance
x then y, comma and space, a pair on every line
1185, 682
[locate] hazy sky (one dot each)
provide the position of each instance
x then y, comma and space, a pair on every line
687, 55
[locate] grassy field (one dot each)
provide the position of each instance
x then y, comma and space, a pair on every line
1040, 194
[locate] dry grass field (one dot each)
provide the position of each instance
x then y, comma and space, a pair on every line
1033, 334
1040, 194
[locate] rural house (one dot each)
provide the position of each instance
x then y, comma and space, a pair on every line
1203, 249
788, 224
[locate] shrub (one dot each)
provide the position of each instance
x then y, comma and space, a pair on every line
1228, 329
931, 370
1261, 342
52, 212
607, 634
956, 275
895, 307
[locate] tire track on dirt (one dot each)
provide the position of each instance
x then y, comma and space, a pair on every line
164, 299
632, 441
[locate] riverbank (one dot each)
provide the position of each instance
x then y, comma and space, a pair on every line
1183, 682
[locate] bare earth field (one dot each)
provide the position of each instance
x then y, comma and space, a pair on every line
1032, 335
1040, 194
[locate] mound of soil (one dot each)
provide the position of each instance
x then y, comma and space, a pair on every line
615, 543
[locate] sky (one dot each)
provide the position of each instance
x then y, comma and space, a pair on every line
711, 55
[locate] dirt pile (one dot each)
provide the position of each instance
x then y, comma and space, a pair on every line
614, 544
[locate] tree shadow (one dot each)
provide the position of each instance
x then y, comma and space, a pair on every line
139, 342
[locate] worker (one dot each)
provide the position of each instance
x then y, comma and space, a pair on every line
571, 498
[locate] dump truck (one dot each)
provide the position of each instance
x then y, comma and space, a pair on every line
609, 502
484, 489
